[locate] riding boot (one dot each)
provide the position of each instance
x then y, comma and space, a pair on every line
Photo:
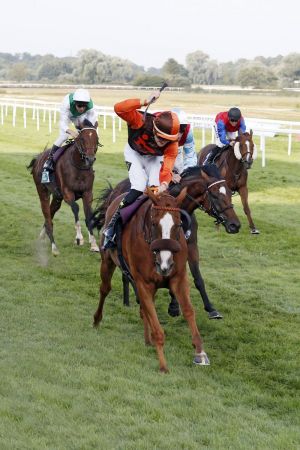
110, 231
49, 165
212, 155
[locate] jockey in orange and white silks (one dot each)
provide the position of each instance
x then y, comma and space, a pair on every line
150, 153
227, 124
152, 144
75, 108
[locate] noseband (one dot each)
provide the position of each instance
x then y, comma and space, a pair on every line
83, 152
213, 210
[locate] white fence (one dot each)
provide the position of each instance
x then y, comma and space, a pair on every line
48, 112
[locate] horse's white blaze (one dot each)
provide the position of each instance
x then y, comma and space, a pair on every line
166, 224
236, 150
222, 190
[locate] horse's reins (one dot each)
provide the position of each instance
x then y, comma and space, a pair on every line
217, 214
82, 153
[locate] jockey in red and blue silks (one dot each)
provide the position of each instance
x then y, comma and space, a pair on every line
226, 125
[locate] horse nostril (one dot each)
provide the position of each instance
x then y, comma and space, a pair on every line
233, 228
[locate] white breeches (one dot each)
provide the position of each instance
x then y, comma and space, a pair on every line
229, 135
144, 170
62, 138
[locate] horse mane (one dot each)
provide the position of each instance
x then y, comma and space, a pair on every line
98, 217
211, 170
87, 123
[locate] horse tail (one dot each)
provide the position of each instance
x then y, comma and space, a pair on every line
98, 217
31, 164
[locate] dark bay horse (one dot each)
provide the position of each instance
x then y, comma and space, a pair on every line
205, 190
234, 165
155, 249
74, 178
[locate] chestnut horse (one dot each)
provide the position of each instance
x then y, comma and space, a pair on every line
74, 178
234, 164
155, 249
205, 190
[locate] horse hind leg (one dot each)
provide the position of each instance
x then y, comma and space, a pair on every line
107, 269
48, 225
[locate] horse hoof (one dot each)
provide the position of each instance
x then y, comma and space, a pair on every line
164, 370
174, 311
95, 249
254, 231
215, 315
55, 252
201, 359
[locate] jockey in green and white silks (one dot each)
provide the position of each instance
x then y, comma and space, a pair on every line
69, 113
75, 108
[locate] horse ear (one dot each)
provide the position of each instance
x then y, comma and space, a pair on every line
251, 133
181, 196
240, 132
151, 195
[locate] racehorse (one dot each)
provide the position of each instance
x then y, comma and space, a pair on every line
154, 246
205, 190
74, 178
234, 166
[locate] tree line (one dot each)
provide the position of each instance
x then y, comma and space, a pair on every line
94, 67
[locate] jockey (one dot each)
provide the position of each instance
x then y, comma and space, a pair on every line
186, 152
150, 152
226, 125
75, 108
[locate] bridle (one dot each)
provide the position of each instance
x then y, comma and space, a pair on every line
213, 209
152, 238
247, 157
78, 143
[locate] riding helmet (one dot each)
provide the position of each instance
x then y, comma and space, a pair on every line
234, 114
166, 125
81, 95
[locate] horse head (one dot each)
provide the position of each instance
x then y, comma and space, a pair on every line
165, 229
87, 142
245, 149
208, 192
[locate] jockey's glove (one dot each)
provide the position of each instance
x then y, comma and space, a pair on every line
162, 187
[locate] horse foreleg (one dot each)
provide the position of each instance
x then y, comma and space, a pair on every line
243, 191
147, 331
107, 269
87, 199
75, 210
146, 295
193, 260
180, 286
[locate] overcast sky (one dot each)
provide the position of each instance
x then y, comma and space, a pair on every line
149, 32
